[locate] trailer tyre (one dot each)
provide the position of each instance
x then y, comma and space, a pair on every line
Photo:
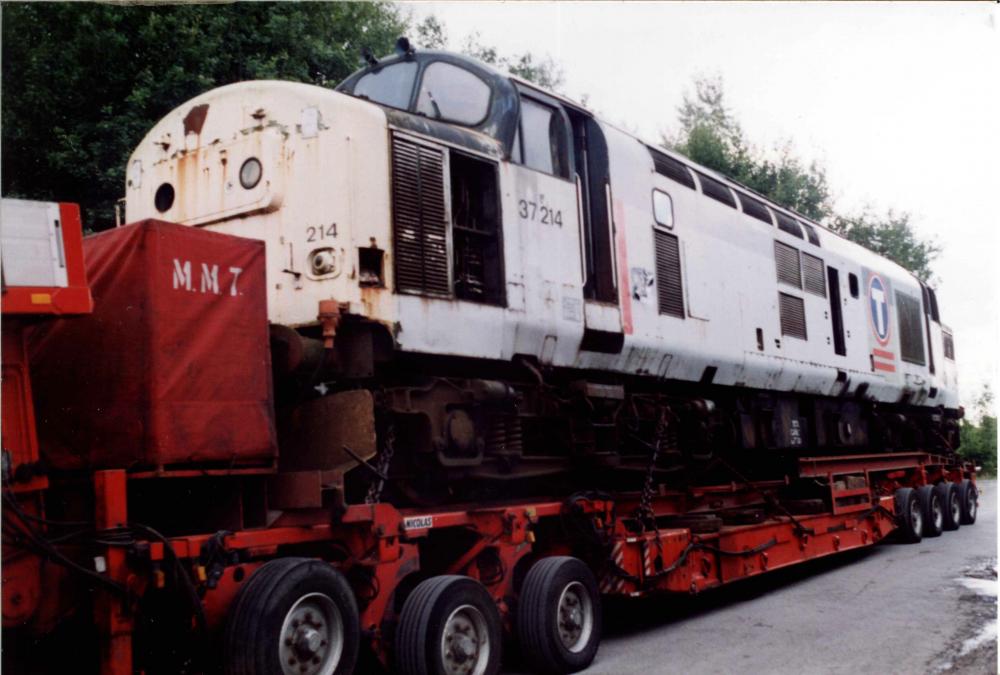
909, 517
931, 510
950, 504
449, 626
559, 615
293, 616
968, 499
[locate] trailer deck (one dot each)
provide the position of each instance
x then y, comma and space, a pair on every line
692, 542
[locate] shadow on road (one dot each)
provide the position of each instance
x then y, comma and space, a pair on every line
632, 617
624, 617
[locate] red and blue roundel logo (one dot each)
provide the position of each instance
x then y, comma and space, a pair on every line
878, 308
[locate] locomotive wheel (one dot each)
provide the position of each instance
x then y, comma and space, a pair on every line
931, 510
968, 500
294, 616
948, 492
909, 517
559, 615
449, 626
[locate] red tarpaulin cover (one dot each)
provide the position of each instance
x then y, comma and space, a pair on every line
172, 368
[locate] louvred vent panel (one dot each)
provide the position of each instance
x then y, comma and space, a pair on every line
669, 288
420, 231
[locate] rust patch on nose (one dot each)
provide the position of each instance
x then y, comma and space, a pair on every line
195, 119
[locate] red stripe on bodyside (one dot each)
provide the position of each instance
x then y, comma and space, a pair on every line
624, 292
887, 367
882, 354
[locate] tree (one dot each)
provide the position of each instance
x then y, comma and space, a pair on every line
544, 72
890, 235
979, 440
711, 135
431, 34
82, 82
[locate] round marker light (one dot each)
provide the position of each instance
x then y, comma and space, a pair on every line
250, 173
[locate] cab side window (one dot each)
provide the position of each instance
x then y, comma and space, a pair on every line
454, 94
543, 139
391, 85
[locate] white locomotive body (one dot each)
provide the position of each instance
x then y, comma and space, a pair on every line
463, 224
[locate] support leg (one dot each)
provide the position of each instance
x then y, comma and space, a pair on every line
111, 613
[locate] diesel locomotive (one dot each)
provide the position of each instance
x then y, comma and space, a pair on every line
516, 295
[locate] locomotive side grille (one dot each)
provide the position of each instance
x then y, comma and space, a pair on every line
786, 259
420, 233
911, 325
671, 168
669, 289
793, 316
949, 346
813, 277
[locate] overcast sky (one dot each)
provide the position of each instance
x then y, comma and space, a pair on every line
900, 102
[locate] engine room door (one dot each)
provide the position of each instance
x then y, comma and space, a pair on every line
602, 313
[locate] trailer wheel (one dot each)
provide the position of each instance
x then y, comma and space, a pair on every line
559, 615
948, 492
909, 517
294, 616
931, 510
968, 499
449, 626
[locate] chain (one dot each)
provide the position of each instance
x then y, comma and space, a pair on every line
384, 459
645, 508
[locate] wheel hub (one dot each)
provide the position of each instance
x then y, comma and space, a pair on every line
465, 644
916, 518
575, 616
463, 648
307, 642
311, 637
573, 619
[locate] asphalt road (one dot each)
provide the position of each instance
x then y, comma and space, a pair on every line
892, 608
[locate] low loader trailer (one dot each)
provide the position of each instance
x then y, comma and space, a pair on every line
154, 565
436, 590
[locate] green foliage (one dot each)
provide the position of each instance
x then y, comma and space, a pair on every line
82, 82
890, 235
431, 34
979, 440
711, 135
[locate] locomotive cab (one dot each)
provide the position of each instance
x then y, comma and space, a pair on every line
552, 137
452, 88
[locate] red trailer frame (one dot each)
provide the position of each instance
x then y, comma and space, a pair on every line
385, 541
